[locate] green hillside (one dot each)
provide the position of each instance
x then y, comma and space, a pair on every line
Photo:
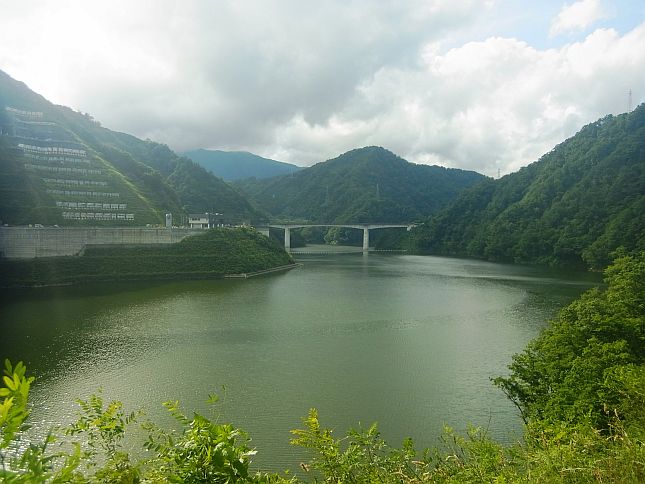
213, 254
573, 207
58, 166
236, 165
363, 185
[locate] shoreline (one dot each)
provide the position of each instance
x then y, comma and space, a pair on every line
246, 275
158, 277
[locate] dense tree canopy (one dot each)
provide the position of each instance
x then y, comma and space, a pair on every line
363, 185
588, 365
574, 206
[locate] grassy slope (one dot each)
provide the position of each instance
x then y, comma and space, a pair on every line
215, 253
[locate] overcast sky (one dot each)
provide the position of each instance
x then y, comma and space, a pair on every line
481, 85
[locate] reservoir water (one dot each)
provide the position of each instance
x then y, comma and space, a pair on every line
408, 341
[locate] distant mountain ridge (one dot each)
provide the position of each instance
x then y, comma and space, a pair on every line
573, 207
368, 184
58, 166
235, 165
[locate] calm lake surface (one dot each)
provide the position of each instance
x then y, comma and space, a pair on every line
407, 341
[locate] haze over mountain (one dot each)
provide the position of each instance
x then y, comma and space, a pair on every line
58, 166
577, 204
478, 85
368, 184
235, 165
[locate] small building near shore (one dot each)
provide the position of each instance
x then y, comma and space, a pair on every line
205, 220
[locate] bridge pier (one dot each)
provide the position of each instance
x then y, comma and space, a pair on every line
364, 227
366, 239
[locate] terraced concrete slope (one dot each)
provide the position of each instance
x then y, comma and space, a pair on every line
58, 166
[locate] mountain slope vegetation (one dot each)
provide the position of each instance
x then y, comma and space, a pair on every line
59, 166
236, 165
573, 207
368, 184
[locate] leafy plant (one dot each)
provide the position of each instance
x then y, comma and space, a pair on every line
103, 427
570, 372
204, 451
361, 456
13, 409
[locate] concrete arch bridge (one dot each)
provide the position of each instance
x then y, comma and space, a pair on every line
364, 227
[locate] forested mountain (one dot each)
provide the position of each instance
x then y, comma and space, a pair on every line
235, 165
58, 166
573, 207
363, 185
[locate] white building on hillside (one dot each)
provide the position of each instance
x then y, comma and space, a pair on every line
205, 220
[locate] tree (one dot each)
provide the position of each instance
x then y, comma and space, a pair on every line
587, 364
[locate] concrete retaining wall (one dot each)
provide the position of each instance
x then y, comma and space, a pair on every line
28, 243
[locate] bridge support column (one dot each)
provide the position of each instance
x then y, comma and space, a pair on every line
287, 238
366, 239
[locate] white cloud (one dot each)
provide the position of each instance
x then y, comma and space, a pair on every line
498, 103
303, 82
576, 17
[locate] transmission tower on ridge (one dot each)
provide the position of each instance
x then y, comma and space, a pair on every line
629, 103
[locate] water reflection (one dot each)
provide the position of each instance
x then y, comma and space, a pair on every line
408, 341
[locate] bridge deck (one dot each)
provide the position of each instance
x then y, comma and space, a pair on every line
349, 226
364, 227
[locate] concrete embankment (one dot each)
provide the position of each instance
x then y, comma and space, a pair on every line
29, 243
209, 254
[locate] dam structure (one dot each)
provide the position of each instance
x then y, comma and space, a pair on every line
32, 242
